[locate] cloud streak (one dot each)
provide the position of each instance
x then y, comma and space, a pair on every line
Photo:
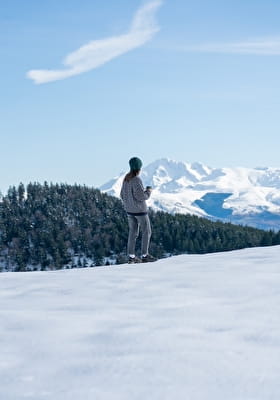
262, 47
98, 52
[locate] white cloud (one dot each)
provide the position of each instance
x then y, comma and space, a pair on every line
261, 46
98, 52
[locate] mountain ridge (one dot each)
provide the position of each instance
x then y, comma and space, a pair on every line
236, 194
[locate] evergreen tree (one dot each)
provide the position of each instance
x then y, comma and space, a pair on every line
48, 226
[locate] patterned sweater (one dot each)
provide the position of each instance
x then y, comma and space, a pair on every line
134, 196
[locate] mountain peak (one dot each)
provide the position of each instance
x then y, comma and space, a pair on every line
243, 195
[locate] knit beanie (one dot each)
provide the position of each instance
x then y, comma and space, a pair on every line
135, 164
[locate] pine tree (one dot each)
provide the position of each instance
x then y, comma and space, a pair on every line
47, 226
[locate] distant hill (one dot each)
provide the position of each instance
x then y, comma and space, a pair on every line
239, 195
45, 227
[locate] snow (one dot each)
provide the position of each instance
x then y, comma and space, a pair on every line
177, 185
192, 327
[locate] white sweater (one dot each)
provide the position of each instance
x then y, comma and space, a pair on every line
134, 196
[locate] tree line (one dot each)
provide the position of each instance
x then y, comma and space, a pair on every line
54, 226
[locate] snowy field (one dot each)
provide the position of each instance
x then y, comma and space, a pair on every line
184, 328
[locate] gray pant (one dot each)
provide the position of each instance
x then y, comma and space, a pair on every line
135, 222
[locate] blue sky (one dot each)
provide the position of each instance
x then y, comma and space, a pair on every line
187, 80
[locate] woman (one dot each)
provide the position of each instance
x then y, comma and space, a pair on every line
134, 198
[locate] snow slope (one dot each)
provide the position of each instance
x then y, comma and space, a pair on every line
199, 327
241, 195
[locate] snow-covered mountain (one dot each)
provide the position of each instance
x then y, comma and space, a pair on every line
240, 195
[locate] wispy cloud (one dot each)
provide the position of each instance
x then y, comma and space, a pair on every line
98, 52
268, 46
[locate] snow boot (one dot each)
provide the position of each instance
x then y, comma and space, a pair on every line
148, 258
134, 260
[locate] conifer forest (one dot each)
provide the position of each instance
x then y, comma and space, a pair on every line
54, 226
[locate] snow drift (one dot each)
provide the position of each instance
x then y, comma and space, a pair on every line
188, 327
